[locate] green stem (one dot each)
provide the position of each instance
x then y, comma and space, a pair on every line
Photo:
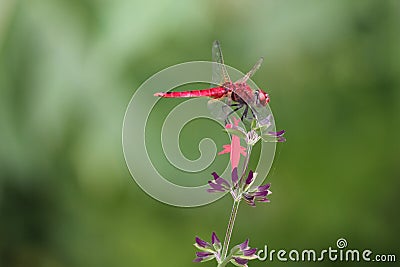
234, 211
228, 234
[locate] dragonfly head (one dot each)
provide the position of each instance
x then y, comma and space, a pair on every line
262, 97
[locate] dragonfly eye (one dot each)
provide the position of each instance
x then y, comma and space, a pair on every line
263, 97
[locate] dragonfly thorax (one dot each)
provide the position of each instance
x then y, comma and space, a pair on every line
242, 93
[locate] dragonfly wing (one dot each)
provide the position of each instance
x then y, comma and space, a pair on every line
252, 71
219, 108
220, 74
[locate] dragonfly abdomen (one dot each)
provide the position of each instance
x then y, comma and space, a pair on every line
216, 92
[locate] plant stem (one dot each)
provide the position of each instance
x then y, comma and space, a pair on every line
234, 211
228, 234
246, 164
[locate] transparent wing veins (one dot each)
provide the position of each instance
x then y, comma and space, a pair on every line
252, 71
220, 74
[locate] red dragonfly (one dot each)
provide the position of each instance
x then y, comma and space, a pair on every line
238, 92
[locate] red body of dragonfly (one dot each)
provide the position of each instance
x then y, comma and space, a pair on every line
238, 92
216, 92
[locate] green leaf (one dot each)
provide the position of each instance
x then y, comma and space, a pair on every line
217, 246
253, 124
208, 258
203, 249
235, 263
268, 138
252, 257
235, 250
236, 132
261, 127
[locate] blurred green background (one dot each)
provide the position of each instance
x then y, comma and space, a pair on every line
69, 68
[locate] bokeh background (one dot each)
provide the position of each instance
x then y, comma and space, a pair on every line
69, 68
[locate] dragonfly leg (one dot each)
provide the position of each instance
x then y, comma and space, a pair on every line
238, 106
252, 114
244, 115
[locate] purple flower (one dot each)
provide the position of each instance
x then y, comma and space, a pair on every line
208, 251
265, 122
280, 133
259, 194
244, 245
218, 184
246, 192
235, 177
203, 256
239, 261
249, 181
201, 244
215, 242
274, 136
242, 253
